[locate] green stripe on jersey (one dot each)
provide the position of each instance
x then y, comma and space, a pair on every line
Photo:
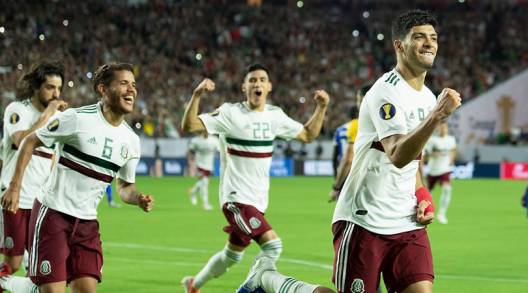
245, 142
90, 159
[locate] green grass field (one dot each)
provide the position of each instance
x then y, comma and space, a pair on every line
484, 248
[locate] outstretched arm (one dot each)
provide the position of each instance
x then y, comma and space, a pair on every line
130, 195
313, 126
191, 122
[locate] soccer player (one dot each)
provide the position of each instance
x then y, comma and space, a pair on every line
441, 153
95, 145
346, 162
202, 149
383, 208
38, 96
247, 130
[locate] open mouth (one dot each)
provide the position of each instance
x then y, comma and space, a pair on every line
129, 99
427, 53
258, 93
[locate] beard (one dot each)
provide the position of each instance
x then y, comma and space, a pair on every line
114, 103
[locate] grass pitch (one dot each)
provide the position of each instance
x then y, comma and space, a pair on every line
482, 249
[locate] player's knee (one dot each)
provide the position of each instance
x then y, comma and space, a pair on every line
272, 248
232, 256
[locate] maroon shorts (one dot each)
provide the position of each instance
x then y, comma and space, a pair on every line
360, 257
203, 172
16, 228
63, 248
245, 223
444, 178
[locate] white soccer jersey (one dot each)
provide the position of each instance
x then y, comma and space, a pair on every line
91, 153
21, 116
377, 195
439, 150
204, 150
246, 147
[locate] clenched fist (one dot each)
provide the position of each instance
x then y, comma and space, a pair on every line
206, 85
322, 98
448, 101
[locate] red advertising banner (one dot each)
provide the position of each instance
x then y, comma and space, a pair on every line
515, 171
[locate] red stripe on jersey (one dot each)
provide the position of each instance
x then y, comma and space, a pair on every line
248, 154
85, 171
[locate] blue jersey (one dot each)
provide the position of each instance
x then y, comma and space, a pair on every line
340, 139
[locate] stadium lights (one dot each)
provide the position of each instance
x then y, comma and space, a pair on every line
300, 4
70, 83
41, 37
302, 100
198, 56
20, 66
461, 1
2, 29
89, 75
366, 14
380, 37
65, 22
355, 33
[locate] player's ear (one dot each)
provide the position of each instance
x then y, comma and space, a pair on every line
270, 86
398, 45
101, 89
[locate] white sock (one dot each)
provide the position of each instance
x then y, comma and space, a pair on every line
271, 249
204, 190
445, 198
273, 281
217, 266
17, 284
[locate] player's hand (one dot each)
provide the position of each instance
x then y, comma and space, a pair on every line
57, 105
332, 196
421, 216
10, 199
322, 98
145, 202
448, 101
206, 85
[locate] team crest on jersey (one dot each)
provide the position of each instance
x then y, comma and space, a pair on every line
254, 222
357, 286
14, 118
124, 152
53, 125
387, 111
45, 267
8, 243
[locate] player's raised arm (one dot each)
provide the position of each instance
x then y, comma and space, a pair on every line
313, 126
402, 149
130, 195
190, 121
12, 194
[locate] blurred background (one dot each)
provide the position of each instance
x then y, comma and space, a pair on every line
337, 45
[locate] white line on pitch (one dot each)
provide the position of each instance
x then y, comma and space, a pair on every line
297, 261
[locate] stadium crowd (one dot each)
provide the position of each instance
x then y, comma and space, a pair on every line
337, 45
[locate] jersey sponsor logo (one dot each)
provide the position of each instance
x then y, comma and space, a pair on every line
9, 243
45, 267
53, 125
254, 222
14, 118
357, 286
92, 140
387, 111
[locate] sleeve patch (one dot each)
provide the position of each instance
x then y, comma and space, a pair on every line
387, 111
53, 125
14, 118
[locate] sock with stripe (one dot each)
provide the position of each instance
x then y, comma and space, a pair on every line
16, 284
271, 249
217, 265
273, 281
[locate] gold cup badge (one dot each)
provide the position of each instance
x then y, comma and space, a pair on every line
387, 111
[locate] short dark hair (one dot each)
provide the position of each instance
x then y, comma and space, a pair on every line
36, 76
255, 67
405, 21
105, 73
